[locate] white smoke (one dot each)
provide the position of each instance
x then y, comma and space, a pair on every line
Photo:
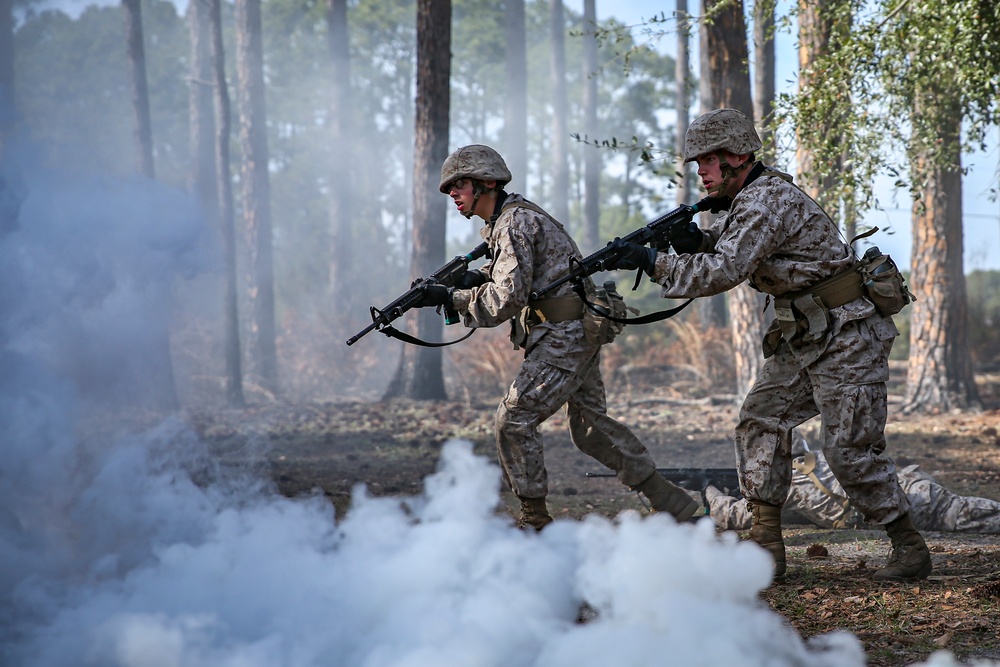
140, 552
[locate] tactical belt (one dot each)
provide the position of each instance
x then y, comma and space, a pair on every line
558, 308
813, 304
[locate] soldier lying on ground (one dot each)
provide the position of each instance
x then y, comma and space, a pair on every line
818, 497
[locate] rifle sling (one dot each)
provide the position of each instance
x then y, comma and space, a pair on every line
392, 332
658, 316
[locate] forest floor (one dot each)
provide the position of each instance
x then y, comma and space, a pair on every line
392, 446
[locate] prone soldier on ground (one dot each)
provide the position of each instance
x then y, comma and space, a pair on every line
817, 497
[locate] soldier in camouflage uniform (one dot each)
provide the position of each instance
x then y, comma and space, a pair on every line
826, 352
529, 249
817, 497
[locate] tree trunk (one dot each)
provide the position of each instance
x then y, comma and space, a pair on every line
166, 393
202, 179
341, 153
256, 190
515, 110
711, 310
224, 205
140, 91
682, 75
939, 372
592, 154
764, 74
419, 374
730, 84
815, 29
559, 197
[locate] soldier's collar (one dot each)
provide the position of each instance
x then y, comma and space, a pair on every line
755, 173
498, 206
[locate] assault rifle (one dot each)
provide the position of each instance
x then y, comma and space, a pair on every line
658, 234
447, 275
696, 479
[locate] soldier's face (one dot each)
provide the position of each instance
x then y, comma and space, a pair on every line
717, 171
461, 193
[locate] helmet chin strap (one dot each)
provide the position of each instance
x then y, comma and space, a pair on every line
479, 189
728, 172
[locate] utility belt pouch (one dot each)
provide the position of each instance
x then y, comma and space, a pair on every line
597, 328
520, 327
771, 341
803, 319
883, 283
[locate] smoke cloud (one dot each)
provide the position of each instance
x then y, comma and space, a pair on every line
138, 551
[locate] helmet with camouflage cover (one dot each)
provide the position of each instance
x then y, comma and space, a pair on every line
722, 129
475, 161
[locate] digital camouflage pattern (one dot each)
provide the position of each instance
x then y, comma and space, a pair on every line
932, 507
782, 241
561, 367
722, 129
475, 161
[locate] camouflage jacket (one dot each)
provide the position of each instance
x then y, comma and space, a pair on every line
530, 250
779, 239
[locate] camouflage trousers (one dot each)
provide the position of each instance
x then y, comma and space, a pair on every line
537, 392
846, 384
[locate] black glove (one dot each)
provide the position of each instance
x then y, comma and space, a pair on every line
717, 204
434, 294
470, 279
630, 256
686, 238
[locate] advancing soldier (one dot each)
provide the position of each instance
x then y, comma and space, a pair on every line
561, 365
826, 353
817, 497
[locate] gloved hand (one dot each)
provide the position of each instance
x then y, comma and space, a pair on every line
717, 204
470, 279
434, 294
630, 256
686, 238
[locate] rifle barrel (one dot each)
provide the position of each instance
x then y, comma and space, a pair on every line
361, 334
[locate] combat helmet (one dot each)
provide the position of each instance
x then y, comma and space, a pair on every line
475, 161
722, 129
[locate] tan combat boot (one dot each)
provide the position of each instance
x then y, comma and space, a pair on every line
766, 531
909, 558
664, 496
534, 514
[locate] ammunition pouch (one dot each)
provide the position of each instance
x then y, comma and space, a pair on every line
555, 309
883, 283
598, 328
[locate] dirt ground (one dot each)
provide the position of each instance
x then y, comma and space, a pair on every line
392, 446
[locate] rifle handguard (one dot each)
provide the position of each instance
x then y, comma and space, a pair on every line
646, 235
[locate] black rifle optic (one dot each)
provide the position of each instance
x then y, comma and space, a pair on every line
447, 275
658, 234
